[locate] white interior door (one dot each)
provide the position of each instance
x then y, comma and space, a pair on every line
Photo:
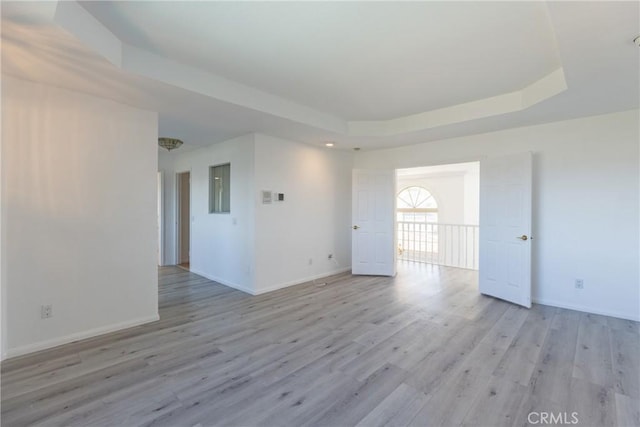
373, 248
505, 228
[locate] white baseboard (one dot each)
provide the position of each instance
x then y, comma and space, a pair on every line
43, 345
224, 282
585, 309
302, 280
270, 288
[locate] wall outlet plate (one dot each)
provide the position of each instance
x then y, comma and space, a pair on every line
579, 284
46, 311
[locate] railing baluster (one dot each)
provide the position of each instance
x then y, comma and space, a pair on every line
413, 241
444, 244
461, 238
457, 263
423, 236
466, 255
476, 232
431, 251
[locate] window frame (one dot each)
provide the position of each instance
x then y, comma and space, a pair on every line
216, 199
415, 210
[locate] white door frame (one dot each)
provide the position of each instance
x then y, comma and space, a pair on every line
178, 220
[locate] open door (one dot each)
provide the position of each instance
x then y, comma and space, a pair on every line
373, 240
505, 228
183, 219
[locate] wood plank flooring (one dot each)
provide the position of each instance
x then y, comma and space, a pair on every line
420, 349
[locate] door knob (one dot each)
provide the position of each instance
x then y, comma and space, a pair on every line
523, 237
355, 227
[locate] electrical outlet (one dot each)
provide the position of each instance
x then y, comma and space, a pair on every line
46, 311
579, 284
310, 261
330, 256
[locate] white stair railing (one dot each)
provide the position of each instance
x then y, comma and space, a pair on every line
453, 245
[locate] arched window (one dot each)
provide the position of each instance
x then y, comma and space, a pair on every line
417, 204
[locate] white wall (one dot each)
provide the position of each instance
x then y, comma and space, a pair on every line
160, 213
165, 170
472, 197
314, 219
585, 204
3, 299
78, 215
222, 244
257, 248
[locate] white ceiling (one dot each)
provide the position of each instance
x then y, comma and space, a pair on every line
359, 61
364, 74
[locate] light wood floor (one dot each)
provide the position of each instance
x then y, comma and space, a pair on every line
421, 349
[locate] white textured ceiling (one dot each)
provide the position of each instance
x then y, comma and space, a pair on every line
342, 71
359, 61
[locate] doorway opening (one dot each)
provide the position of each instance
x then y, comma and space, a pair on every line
437, 214
501, 202
183, 231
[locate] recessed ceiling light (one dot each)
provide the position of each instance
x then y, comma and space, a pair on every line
328, 144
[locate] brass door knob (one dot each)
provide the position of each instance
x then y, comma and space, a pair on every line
355, 227
523, 237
